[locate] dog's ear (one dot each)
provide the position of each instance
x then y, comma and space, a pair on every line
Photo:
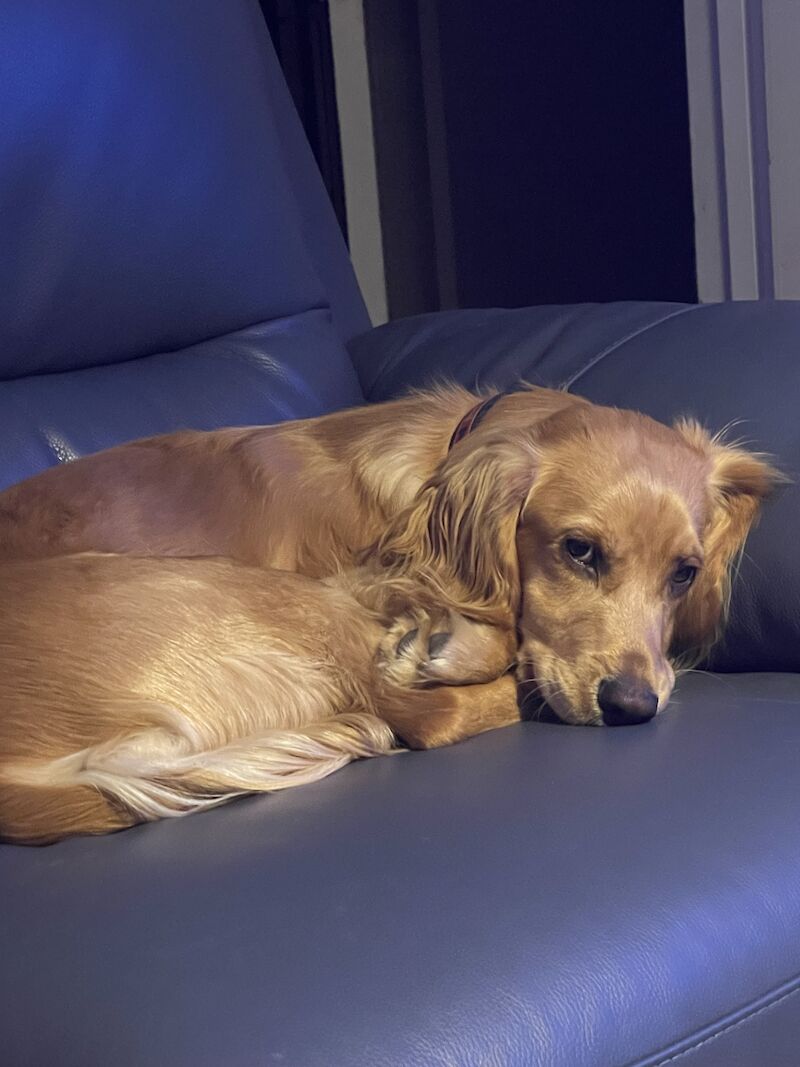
738, 482
459, 532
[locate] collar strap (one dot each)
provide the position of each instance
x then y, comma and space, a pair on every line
474, 417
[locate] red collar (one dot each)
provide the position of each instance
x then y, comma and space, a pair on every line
473, 418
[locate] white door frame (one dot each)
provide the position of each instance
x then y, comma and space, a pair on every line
351, 78
743, 68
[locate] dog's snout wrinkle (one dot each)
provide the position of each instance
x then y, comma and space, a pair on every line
626, 701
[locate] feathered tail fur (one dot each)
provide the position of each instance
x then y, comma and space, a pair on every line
159, 773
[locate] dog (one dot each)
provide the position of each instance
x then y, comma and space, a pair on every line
596, 540
133, 689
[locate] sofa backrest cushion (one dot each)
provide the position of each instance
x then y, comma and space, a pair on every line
144, 199
169, 258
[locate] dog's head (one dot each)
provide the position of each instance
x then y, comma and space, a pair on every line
607, 536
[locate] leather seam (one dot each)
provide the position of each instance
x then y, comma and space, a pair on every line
726, 1029
568, 384
227, 333
45, 373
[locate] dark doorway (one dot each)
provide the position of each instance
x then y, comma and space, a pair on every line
569, 158
557, 163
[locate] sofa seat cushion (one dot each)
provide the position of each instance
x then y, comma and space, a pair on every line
731, 365
541, 894
289, 368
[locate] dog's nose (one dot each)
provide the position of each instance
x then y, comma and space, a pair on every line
626, 701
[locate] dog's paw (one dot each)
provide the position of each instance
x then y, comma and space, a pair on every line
444, 649
410, 648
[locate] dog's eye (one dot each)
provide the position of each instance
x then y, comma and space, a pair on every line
683, 577
583, 552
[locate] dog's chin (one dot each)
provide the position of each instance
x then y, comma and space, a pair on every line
534, 708
543, 701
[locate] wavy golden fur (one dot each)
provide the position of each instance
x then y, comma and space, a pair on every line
470, 543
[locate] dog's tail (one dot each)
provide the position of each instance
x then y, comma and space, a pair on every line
158, 773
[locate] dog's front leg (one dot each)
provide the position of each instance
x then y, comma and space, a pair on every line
435, 717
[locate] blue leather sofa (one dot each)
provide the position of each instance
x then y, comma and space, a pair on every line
542, 895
